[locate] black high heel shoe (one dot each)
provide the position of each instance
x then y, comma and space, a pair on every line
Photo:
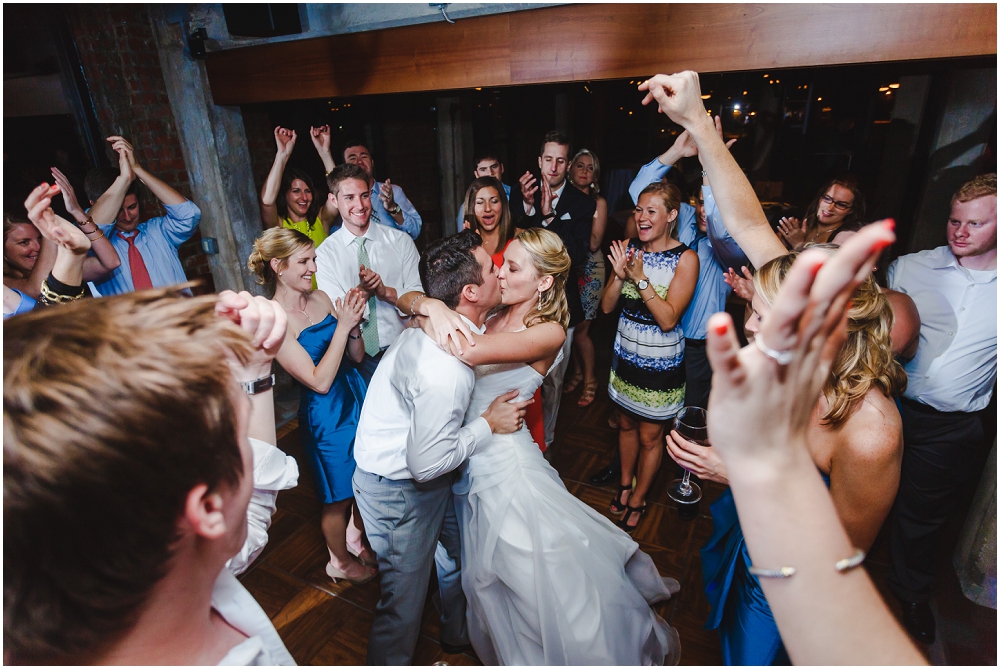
617, 505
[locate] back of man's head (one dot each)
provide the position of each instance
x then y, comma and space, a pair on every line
113, 411
449, 265
342, 173
97, 181
558, 138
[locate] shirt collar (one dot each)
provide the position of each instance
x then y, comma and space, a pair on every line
559, 191
945, 258
475, 328
348, 237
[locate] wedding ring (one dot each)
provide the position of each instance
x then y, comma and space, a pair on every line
780, 357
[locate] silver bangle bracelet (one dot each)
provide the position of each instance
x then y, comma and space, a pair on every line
413, 302
841, 566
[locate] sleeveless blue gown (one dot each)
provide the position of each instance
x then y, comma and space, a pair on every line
331, 418
740, 611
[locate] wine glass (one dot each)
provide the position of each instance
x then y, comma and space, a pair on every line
692, 424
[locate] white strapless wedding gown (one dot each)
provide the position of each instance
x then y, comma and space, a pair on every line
549, 581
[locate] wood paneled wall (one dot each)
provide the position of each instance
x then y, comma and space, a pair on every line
601, 41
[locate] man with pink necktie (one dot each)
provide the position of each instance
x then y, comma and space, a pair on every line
148, 249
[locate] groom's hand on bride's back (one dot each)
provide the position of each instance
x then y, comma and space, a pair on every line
504, 415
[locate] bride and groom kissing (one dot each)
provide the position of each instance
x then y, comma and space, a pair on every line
448, 475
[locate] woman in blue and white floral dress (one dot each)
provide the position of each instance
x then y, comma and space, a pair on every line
655, 276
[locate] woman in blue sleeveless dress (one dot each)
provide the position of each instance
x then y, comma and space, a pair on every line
855, 438
332, 388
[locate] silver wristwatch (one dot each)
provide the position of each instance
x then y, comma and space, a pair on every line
643, 284
263, 384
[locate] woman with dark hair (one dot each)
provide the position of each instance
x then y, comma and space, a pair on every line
288, 198
487, 211
839, 206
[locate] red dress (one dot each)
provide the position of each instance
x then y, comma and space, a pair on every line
533, 417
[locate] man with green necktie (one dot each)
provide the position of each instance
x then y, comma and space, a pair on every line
378, 259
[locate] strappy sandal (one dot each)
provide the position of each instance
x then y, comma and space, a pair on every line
588, 395
617, 506
573, 383
629, 512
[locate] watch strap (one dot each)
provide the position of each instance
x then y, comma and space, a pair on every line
258, 386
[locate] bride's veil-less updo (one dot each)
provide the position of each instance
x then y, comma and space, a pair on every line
277, 243
549, 256
866, 360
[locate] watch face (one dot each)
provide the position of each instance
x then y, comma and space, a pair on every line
643, 284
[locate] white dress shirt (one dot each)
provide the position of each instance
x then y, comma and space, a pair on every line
956, 362
411, 421
556, 194
273, 471
236, 605
391, 254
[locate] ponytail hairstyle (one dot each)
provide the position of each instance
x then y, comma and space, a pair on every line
671, 197
277, 243
549, 257
866, 359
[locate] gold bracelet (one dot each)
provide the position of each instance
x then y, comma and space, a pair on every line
48, 296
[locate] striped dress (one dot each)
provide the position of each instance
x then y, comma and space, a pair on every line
647, 370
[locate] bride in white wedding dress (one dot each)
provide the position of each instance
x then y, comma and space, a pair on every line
548, 579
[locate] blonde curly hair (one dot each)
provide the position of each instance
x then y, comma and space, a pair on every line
549, 257
277, 243
866, 359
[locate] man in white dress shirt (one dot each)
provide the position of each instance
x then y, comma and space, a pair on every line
951, 382
378, 259
410, 439
127, 476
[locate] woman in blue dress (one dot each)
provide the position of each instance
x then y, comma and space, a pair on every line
333, 390
856, 442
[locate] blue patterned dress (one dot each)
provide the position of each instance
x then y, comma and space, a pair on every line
647, 371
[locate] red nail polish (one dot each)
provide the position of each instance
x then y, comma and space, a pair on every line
721, 329
891, 223
816, 268
881, 244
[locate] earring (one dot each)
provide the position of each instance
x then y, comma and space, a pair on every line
280, 273
539, 300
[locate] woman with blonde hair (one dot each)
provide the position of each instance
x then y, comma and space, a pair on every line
325, 340
584, 173
855, 439
655, 276
548, 580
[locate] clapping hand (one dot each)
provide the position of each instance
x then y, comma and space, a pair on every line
285, 139
385, 194
741, 285
126, 156
755, 394
619, 258
371, 282
529, 186
546, 198
320, 138
258, 316
349, 309
69, 195
793, 230
52, 226
633, 265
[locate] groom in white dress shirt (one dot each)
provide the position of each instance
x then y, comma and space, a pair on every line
410, 439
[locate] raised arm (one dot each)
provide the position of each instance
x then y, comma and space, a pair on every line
285, 140
104, 259
679, 97
321, 141
164, 193
758, 414
72, 244
105, 210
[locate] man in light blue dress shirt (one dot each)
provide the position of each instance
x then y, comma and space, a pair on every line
390, 205
119, 215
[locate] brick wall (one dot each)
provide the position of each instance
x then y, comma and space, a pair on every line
117, 50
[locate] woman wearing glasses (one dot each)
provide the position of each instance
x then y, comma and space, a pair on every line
839, 206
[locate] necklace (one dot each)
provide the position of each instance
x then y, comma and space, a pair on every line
301, 311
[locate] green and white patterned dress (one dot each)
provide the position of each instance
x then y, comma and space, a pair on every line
647, 369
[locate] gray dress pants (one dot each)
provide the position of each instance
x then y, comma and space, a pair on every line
405, 520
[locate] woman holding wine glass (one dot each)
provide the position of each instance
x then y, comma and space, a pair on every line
656, 277
855, 439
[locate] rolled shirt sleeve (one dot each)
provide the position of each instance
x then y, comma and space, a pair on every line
649, 173
180, 222
411, 218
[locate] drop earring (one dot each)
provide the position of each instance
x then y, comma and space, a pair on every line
539, 300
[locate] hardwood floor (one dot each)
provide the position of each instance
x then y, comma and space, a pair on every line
323, 623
